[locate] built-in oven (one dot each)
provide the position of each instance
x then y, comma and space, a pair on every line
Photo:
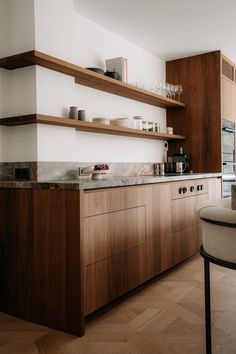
228, 157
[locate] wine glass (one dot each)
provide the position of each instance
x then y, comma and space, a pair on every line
158, 87
179, 90
168, 90
172, 91
163, 89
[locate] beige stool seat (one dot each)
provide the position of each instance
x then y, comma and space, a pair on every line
218, 229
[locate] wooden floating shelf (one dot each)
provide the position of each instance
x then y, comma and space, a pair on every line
88, 78
86, 126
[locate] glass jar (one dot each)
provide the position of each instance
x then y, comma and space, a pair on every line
138, 122
150, 126
157, 127
145, 125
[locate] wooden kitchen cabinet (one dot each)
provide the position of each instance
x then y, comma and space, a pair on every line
209, 92
214, 188
40, 277
228, 98
122, 227
66, 253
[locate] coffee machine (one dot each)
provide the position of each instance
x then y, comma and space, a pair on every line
179, 162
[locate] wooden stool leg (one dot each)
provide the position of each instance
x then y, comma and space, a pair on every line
207, 306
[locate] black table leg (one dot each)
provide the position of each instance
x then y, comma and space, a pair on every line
207, 305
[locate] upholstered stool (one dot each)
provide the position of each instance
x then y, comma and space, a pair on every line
219, 246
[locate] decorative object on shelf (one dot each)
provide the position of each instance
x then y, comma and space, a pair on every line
113, 74
118, 65
145, 125
82, 114
101, 120
169, 130
101, 171
86, 126
87, 78
157, 127
120, 122
73, 112
138, 122
179, 90
96, 70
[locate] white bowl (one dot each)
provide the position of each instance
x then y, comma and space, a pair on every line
101, 120
120, 122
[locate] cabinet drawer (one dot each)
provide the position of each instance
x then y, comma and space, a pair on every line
183, 189
105, 201
183, 212
185, 243
104, 281
110, 278
108, 234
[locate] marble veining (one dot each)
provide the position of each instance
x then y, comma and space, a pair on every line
80, 184
51, 171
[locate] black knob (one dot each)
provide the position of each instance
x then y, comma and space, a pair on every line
199, 187
191, 188
185, 190
202, 187
181, 191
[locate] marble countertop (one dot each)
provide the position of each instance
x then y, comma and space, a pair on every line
86, 183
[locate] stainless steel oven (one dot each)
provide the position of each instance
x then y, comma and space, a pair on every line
228, 158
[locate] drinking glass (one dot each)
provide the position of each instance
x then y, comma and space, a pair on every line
179, 91
164, 89
172, 91
158, 87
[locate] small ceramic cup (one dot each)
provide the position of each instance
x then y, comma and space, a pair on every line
169, 130
73, 113
81, 114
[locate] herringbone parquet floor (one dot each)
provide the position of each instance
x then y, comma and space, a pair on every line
167, 317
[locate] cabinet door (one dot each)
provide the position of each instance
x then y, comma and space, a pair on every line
183, 212
104, 281
108, 234
228, 99
185, 243
214, 188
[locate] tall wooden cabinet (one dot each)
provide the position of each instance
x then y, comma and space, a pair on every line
209, 92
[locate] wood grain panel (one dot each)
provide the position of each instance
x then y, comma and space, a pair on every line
183, 212
105, 281
40, 257
87, 78
185, 243
214, 188
113, 199
194, 184
162, 241
108, 234
85, 126
200, 121
228, 99
16, 240
137, 266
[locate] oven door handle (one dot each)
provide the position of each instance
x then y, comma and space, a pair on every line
234, 160
228, 130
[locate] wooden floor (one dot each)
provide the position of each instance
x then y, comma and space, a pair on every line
166, 317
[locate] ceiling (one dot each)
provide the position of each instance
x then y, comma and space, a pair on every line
168, 28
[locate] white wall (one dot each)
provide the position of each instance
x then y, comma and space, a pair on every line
55, 93
52, 26
19, 143
22, 29
4, 27
18, 87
